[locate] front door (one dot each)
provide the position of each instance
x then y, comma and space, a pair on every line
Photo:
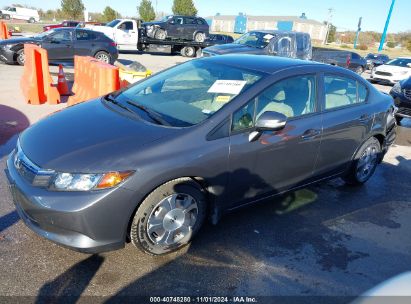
126, 36
175, 27
59, 45
277, 160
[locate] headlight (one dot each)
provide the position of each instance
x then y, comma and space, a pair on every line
86, 182
403, 72
397, 88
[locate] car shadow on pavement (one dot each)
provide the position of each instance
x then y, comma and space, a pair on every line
12, 122
8, 220
68, 287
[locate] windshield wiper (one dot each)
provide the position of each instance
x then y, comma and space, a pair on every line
114, 101
152, 114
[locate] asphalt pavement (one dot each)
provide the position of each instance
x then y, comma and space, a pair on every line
326, 240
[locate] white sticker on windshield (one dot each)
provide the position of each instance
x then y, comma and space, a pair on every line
268, 37
227, 86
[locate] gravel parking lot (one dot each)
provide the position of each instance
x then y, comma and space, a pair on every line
326, 240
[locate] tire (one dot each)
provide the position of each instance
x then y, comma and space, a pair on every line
158, 226
398, 119
160, 34
359, 70
7, 17
199, 37
20, 58
32, 20
365, 162
188, 51
103, 57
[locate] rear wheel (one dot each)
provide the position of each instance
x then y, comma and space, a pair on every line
199, 37
20, 57
103, 57
169, 217
7, 17
365, 163
359, 70
160, 34
188, 51
32, 20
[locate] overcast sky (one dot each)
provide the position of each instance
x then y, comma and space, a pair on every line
345, 12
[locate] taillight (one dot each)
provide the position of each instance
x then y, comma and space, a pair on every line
113, 44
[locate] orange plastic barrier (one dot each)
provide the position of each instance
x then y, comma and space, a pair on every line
92, 79
36, 82
4, 32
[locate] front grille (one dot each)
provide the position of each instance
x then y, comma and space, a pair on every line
30, 171
383, 73
407, 94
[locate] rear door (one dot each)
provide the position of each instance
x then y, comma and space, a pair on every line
346, 122
84, 43
190, 26
277, 160
59, 45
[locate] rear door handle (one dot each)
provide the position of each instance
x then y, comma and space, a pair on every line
310, 134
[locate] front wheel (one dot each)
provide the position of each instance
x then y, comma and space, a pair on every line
169, 217
32, 20
160, 34
365, 163
7, 17
20, 57
103, 57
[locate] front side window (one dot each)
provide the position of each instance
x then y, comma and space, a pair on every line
192, 92
293, 97
343, 91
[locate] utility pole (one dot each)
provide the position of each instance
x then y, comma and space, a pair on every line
384, 34
330, 16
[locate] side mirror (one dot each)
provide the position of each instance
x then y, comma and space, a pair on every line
268, 121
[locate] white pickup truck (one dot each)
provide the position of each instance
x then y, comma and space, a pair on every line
123, 31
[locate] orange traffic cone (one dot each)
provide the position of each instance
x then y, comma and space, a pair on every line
62, 85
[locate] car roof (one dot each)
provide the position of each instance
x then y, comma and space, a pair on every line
262, 63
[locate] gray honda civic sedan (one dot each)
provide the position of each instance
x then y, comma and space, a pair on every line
150, 163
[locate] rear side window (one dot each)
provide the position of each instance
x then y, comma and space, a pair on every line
84, 35
200, 21
189, 21
343, 91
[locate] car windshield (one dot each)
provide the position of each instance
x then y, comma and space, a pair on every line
113, 23
165, 18
189, 93
402, 62
45, 34
255, 39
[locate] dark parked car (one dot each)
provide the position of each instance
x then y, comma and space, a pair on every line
62, 44
345, 59
374, 60
217, 39
401, 92
193, 142
65, 23
278, 43
178, 27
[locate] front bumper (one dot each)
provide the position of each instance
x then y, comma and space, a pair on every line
403, 104
89, 222
6, 55
393, 79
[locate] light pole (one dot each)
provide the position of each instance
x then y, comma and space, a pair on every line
384, 34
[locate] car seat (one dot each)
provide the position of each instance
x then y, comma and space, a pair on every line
273, 100
336, 94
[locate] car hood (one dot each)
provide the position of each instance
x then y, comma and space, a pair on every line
18, 40
406, 83
89, 137
392, 68
233, 48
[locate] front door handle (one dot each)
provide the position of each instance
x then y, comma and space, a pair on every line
310, 134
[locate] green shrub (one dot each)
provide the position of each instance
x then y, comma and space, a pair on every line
391, 44
344, 46
409, 45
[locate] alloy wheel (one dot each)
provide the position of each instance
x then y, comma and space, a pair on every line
367, 163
